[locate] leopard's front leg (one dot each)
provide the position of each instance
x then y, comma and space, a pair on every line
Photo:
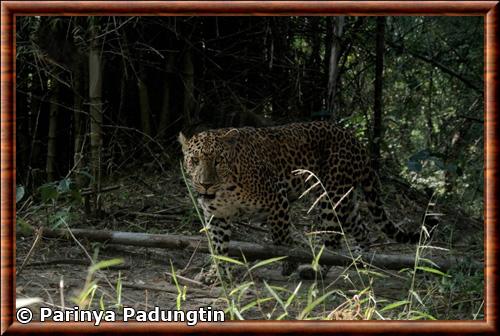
219, 233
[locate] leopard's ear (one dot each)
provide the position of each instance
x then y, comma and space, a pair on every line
183, 141
231, 137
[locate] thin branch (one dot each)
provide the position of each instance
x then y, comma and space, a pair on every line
443, 67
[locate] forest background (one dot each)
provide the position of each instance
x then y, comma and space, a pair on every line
100, 102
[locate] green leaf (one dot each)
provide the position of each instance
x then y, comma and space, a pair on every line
418, 315
275, 295
87, 174
311, 293
421, 155
373, 273
82, 297
313, 304
438, 162
414, 166
241, 287
237, 313
254, 303
394, 305
315, 262
76, 196
64, 185
59, 218
282, 316
105, 264
292, 296
23, 227
101, 303
48, 192
19, 193
430, 262
451, 167
227, 259
416, 296
266, 262
432, 270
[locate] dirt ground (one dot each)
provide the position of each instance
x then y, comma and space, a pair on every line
158, 203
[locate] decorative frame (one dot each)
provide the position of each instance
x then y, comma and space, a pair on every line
11, 9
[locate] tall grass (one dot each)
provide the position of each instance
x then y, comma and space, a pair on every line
318, 300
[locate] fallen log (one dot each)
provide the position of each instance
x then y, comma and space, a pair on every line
251, 251
89, 191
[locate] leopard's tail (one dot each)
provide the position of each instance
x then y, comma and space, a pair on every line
371, 189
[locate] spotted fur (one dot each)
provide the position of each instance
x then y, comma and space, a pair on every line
249, 171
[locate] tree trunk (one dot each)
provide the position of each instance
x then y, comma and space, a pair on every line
78, 117
310, 101
95, 99
429, 112
453, 150
165, 116
144, 105
51, 137
280, 37
123, 99
188, 76
379, 82
34, 148
333, 66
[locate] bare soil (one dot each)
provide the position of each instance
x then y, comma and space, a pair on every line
158, 203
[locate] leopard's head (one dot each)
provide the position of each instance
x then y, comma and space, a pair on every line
207, 161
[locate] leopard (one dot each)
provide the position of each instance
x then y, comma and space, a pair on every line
251, 171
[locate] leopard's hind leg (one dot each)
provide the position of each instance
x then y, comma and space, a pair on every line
371, 189
278, 222
339, 215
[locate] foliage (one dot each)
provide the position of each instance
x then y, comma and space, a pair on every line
315, 302
63, 190
161, 75
249, 69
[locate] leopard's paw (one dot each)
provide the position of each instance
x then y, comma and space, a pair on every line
207, 276
288, 267
307, 272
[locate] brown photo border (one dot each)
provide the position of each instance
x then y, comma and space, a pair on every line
11, 9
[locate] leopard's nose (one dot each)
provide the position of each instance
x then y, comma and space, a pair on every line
206, 185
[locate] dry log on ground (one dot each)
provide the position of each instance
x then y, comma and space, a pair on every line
203, 293
250, 250
89, 191
72, 262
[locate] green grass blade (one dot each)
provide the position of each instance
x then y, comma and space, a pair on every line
254, 303
432, 270
418, 315
313, 304
105, 264
395, 305
315, 263
241, 287
292, 296
430, 262
266, 262
275, 295
229, 260
416, 296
